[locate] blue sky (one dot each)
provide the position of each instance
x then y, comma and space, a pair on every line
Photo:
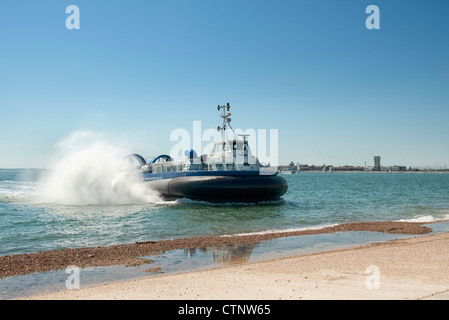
337, 92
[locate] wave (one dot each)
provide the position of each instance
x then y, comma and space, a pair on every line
273, 231
426, 218
18, 191
225, 204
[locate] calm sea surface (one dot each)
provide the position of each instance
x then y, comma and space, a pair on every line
28, 223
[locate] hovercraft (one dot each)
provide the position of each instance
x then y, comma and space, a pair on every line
229, 174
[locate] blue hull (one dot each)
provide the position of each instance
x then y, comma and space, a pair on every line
218, 186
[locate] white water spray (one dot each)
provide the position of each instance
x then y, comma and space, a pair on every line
90, 170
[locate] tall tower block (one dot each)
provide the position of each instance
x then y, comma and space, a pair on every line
376, 163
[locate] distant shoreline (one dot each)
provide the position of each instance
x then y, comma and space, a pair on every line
302, 171
362, 171
128, 254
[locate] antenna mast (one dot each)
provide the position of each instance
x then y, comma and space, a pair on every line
226, 115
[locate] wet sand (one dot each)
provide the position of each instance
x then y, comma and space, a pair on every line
128, 254
412, 268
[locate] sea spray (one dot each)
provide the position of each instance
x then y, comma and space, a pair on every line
90, 169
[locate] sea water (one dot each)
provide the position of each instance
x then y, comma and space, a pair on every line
30, 221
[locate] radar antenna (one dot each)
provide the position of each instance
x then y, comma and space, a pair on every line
226, 115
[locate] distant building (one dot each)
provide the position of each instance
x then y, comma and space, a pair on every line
327, 168
397, 168
347, 168
376, 163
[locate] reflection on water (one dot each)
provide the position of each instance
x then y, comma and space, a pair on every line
232, 255
215, 256
194, 258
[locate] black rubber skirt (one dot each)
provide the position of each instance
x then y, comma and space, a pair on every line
222, 188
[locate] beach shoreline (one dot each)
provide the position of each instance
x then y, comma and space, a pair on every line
411, 268
130, 254
325, 267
